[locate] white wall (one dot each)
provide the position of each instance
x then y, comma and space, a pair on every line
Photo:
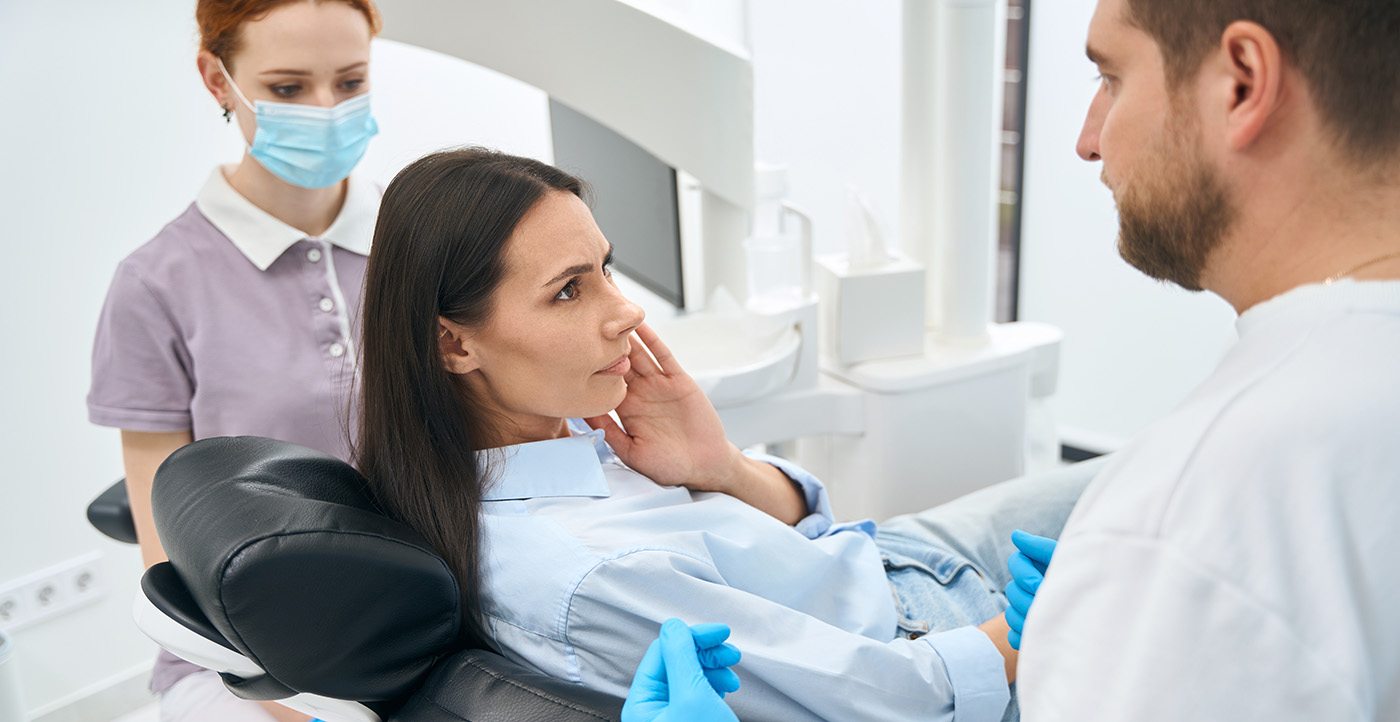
105, 135
827, 104
1133, 347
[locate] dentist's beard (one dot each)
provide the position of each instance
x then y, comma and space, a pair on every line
1175, 213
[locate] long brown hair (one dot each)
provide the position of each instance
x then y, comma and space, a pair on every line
438, 251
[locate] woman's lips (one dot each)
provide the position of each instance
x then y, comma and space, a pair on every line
618, 367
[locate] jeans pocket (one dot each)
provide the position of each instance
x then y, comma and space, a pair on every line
909, 628
943, 567
907, 575
937, 597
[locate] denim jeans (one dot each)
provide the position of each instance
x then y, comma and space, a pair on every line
947, 565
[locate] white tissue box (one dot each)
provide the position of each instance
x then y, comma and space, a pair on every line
870, 313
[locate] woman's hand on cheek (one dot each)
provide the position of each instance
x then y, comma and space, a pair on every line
670, 431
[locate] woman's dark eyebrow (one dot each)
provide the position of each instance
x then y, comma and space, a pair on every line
578, 270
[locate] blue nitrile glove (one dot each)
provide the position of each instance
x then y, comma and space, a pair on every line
1027, 572
684, 676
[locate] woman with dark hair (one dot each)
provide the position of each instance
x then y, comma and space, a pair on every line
495, 345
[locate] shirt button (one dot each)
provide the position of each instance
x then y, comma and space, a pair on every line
326, 305
313, 255
337, 350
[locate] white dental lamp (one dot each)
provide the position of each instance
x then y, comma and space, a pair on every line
887, 434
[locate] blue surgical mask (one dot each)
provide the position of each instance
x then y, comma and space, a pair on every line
307, 145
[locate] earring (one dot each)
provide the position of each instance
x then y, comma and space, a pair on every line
228, 113
443, 334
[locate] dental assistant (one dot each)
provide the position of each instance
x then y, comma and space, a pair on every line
237, 317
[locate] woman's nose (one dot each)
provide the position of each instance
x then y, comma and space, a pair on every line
626, 317
323, 96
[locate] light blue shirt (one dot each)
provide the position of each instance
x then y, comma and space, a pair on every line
584, 558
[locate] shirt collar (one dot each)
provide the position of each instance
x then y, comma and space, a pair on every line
571, 466
1317, 298
263, 238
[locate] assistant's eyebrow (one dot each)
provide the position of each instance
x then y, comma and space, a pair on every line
579, 269
345, 69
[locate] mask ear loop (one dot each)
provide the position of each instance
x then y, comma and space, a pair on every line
234, 86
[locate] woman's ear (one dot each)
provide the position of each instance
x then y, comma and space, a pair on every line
214, 80
459, 355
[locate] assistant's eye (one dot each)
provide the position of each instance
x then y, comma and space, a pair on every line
569, 292
286, 91
352, 85
1108, 83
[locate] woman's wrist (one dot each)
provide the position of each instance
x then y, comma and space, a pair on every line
764, 487
996, 629
738, 473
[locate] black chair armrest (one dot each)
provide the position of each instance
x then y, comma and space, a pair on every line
110, 513
483, 686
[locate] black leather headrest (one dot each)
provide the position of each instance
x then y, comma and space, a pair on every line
287, 555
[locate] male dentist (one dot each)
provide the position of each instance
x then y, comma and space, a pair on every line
1235, 561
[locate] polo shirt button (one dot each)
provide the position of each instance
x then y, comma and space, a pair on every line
326, 305
337, 350
313, 255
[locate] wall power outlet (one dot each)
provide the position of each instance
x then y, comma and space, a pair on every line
48, 592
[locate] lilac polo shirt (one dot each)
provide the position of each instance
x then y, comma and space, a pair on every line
232, 322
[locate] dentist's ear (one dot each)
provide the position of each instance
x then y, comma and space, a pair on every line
455, 346
1254, 84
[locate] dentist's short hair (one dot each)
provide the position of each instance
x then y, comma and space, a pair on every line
1348, 50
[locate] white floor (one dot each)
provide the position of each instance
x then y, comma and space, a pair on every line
150, 713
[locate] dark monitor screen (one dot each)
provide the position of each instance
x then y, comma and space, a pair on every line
633, 197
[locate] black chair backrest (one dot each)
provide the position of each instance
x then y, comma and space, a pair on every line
110, 513
289, 558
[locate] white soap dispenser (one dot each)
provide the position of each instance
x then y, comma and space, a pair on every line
778, 253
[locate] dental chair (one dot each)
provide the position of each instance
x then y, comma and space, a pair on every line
287, 579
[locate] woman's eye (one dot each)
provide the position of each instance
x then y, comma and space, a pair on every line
352, 85
569, 292
285, 91
607, 271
